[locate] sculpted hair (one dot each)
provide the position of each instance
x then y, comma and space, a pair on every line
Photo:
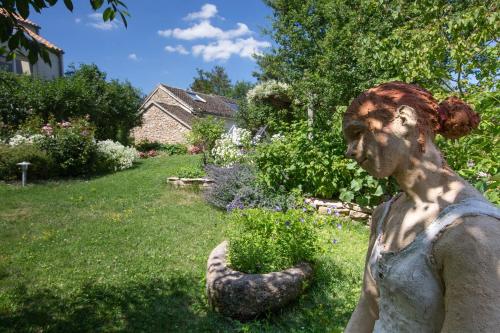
451, 118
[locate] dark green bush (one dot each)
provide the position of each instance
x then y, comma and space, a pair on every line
146, 145
111, 105
313, 162
262, 241
42, 166
174, 148
72, 146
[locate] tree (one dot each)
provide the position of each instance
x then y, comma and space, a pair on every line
111, 105
214, 82
335, 49
13, 32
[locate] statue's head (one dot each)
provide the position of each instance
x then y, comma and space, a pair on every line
395, 121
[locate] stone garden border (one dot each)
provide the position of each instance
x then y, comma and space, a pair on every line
245, 296
181, 182
355, 212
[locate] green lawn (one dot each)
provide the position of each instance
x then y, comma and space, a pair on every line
126, 252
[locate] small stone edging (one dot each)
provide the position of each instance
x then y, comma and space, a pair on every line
204, 182
332, 207
245, 296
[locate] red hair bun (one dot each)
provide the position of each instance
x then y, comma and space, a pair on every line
456, 118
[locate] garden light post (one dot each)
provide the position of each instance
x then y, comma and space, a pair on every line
24, 168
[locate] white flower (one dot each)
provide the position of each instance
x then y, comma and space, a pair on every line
266, 89
118, 155
19, 139
226, 153
277, 137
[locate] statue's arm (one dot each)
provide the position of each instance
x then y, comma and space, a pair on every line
366, 312
468, 254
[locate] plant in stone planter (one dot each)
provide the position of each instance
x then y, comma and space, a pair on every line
263, 241
265, 264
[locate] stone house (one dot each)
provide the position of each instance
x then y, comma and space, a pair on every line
168, 113
21, 64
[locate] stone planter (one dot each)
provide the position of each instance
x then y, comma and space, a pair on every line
245, 296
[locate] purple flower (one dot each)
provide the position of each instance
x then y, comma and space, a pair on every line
287, 224
334, 241
337, 213
304, 209
277, 208
328, 210
339, 226
301, 220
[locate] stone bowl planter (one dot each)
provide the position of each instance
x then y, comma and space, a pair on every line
245, 296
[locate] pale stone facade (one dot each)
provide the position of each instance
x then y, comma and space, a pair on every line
159, 126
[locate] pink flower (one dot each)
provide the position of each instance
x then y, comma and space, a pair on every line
47, 129
65, 124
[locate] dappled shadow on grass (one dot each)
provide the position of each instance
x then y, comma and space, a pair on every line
149, 306
325, 307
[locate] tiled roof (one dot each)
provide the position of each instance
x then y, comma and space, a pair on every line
43, 41
20, 19
214, 105
33, 34
179, 113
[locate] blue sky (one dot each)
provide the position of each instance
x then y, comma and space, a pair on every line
165, 40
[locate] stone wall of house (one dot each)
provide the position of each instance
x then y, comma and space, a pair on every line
159, 126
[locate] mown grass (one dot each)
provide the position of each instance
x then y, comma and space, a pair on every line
126, 252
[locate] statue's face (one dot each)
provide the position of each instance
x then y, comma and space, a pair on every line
378, 147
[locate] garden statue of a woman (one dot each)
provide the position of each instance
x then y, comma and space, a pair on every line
433, 262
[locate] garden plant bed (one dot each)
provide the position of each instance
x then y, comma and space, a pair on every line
245, 296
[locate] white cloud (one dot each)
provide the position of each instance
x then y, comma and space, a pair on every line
176, 49
78, 20
205, 29
97, 22
133, 57
224, 49
207, 11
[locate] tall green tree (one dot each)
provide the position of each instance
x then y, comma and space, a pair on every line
111, 105
331, 50
215, 82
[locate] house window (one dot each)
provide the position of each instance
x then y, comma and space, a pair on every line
233, 106
195, 97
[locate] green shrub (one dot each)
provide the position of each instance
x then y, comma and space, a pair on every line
205, 131
146, 145
71, 145
192, 172
42, 166
174, 148
313, 162
262, 241
111, 105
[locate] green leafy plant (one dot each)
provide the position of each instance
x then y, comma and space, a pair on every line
312, 161
205, 132
190, 172
71, 145
146, 145
174, 148
42, 165
262, 241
